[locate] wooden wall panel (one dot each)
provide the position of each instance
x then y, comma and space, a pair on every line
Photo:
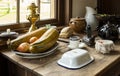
3, 66
109, 6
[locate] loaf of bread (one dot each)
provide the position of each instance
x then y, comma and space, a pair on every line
66, 32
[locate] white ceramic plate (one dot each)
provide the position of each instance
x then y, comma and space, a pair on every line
36, 55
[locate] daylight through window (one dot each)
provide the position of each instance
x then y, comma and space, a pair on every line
15, 11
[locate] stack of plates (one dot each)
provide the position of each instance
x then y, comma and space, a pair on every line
36, 55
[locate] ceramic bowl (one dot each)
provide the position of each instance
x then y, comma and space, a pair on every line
104, 46
77, 24
75, 59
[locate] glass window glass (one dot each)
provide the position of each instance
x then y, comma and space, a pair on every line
7, 11
9, 15
47, 9
23, 9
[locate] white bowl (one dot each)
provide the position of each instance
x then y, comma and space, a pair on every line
104, 46
74, 59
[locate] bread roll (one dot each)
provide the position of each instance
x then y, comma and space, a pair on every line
66, 32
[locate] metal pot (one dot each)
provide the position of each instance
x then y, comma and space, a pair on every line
109, 31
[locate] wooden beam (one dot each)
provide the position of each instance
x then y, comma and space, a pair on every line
68, 11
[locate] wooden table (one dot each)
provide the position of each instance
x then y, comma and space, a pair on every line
48, 66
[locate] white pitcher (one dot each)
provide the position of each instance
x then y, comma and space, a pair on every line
90, 18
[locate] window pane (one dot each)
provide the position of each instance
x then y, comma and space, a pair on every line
47, 9
7, 11
23, 9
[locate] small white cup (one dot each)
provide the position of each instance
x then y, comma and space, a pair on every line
74, 42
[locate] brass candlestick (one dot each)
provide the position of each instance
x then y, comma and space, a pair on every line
33, 16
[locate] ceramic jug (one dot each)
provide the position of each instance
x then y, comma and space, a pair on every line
90, 18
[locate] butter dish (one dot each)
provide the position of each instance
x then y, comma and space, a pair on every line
75, 59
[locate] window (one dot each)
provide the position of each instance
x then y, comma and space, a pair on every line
7, 12
15, 11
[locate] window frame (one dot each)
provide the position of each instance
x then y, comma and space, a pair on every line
63, 15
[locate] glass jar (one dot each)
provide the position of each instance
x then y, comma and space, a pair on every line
74, 42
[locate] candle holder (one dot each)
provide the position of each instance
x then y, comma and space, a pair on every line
33, 16
89, 38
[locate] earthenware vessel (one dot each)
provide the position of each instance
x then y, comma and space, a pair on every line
77, 24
